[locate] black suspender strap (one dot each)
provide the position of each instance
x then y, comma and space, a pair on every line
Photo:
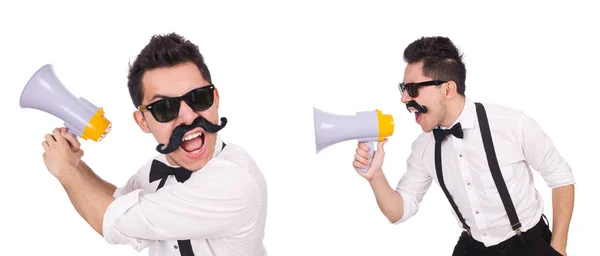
438, 170
185, 247
495, 168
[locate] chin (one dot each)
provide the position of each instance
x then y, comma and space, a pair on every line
426, 127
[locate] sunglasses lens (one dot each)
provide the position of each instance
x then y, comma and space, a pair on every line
412, 91
201, 99
165, 110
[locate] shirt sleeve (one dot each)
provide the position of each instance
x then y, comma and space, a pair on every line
414, 183
219, 200
541, 154
130, 186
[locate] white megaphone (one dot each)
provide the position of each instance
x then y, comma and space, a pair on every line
366, 126
45, 92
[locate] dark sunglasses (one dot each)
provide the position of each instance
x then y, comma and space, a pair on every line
412, 88
167, 109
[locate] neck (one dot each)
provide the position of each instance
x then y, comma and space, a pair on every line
453, 110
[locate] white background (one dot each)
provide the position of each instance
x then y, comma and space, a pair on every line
273, 62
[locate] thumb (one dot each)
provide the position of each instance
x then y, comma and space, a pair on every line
380, 145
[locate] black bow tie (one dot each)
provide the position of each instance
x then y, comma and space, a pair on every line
160, 170
456, 130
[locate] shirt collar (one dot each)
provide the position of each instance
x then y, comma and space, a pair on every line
218, 146
466, 117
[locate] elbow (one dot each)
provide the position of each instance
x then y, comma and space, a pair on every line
394, 219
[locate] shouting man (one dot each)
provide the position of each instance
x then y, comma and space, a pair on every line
200, 195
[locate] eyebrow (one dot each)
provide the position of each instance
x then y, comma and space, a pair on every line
156, 96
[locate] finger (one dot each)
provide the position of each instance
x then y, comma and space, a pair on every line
363, 146
73, 142
380, 145
359, 165
361, 159
50, 139
45, 145
58, 137
363, 152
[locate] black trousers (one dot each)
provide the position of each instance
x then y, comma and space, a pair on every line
536, 242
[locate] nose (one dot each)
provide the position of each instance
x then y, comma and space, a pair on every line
405, 98
186, 114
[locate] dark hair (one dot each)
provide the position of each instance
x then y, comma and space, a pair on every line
163, 51
441, 60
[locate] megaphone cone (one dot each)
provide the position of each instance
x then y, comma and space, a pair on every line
367, 126
45, 92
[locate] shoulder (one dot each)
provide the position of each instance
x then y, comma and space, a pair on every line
508, 120
501, 117
237, 155
497, 112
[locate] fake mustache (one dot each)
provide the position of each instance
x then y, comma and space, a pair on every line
179, 131
414, 104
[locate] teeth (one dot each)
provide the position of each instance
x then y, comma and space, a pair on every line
191, 136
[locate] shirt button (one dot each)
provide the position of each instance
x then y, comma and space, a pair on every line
468, 183
460, 155
483, 234
477, 212
175, 246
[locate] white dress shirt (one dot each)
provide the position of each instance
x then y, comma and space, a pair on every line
519, 144
221, 208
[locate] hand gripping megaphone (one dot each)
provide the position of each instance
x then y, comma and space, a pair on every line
366, 126
45, 92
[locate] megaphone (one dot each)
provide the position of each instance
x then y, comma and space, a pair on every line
45, 92
365, 126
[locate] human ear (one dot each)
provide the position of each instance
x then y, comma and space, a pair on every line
450, 89
217, 97
138, 116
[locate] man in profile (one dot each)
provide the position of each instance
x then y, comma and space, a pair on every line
480, 155
200, 195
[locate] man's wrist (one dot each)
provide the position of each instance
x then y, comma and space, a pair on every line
377, 177
68, 174
558, 244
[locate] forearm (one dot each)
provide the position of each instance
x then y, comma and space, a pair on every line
563, 199
89, 174
89, 201
389, 201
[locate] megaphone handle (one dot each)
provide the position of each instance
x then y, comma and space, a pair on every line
371, 144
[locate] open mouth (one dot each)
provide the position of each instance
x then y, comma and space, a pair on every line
417, 115
193, 142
